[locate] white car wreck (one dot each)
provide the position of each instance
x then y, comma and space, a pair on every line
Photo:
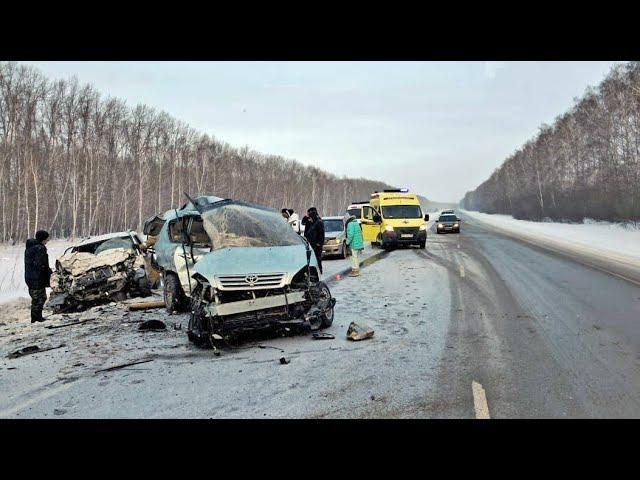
239, 268
98, 270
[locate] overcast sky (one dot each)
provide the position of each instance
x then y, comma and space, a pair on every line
439, 128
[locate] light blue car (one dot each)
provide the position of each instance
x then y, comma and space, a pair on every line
239, 267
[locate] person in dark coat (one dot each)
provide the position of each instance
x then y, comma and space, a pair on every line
37, 273
314, 233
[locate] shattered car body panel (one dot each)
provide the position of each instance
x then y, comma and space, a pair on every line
243, 268
99, 270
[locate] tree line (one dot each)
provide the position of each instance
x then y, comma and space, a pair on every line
587, 164
77, 164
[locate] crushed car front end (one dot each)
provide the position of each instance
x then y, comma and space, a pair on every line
259, 275
98, 270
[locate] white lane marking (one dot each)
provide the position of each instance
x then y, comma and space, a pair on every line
461, 271
480, 401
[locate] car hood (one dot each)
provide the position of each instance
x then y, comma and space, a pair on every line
246, 260
328, 235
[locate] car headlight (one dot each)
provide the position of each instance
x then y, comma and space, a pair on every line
439, 225
456, 225
389, 228
422, 227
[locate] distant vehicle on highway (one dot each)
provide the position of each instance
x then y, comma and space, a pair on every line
335, 242
447, 212
448, 223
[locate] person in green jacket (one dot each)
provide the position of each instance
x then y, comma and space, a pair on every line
354, 242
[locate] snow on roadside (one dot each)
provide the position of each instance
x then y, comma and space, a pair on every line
606, 237
12, 284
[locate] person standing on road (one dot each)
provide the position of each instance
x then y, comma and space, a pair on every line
37, 273
354, 242
314, 233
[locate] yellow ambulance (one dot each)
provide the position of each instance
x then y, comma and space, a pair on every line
393, 218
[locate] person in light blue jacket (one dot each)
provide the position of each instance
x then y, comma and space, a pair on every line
354, 242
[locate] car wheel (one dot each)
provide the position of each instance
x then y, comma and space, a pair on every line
422, 245
344, 253
174, 297
324, 295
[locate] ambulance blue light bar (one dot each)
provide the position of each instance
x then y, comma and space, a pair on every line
397, 190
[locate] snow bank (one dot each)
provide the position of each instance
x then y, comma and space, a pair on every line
605, 237
12, 267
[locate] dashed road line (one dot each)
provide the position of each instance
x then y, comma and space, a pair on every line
461, 271
480, 401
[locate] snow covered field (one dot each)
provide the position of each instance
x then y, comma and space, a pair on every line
593, 236
12, 267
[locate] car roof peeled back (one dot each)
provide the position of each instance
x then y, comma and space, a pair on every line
106, 236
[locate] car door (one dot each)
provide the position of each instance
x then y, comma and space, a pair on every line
370, 229
194, 243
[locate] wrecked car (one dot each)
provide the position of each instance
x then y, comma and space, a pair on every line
240, 268
99, 270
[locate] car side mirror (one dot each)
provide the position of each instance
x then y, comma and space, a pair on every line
426, 217
377, 219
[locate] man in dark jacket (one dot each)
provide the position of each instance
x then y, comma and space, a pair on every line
37, 273
314, 233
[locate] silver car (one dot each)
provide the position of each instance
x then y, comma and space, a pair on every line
335, 239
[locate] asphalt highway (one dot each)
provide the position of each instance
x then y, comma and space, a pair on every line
477, 325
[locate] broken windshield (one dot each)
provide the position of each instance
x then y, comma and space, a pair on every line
234, 225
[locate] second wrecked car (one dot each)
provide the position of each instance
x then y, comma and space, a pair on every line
239, 267
99, 270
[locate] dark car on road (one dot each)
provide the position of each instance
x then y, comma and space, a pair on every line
448, 223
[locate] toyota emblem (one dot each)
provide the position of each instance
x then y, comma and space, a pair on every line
251, 280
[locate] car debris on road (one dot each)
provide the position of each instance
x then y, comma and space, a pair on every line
322, 336
358, 332
32, 349
118, 367
152, 325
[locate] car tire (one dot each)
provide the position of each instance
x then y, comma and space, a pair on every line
174, 297
326, 319
422, 245
344, 253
